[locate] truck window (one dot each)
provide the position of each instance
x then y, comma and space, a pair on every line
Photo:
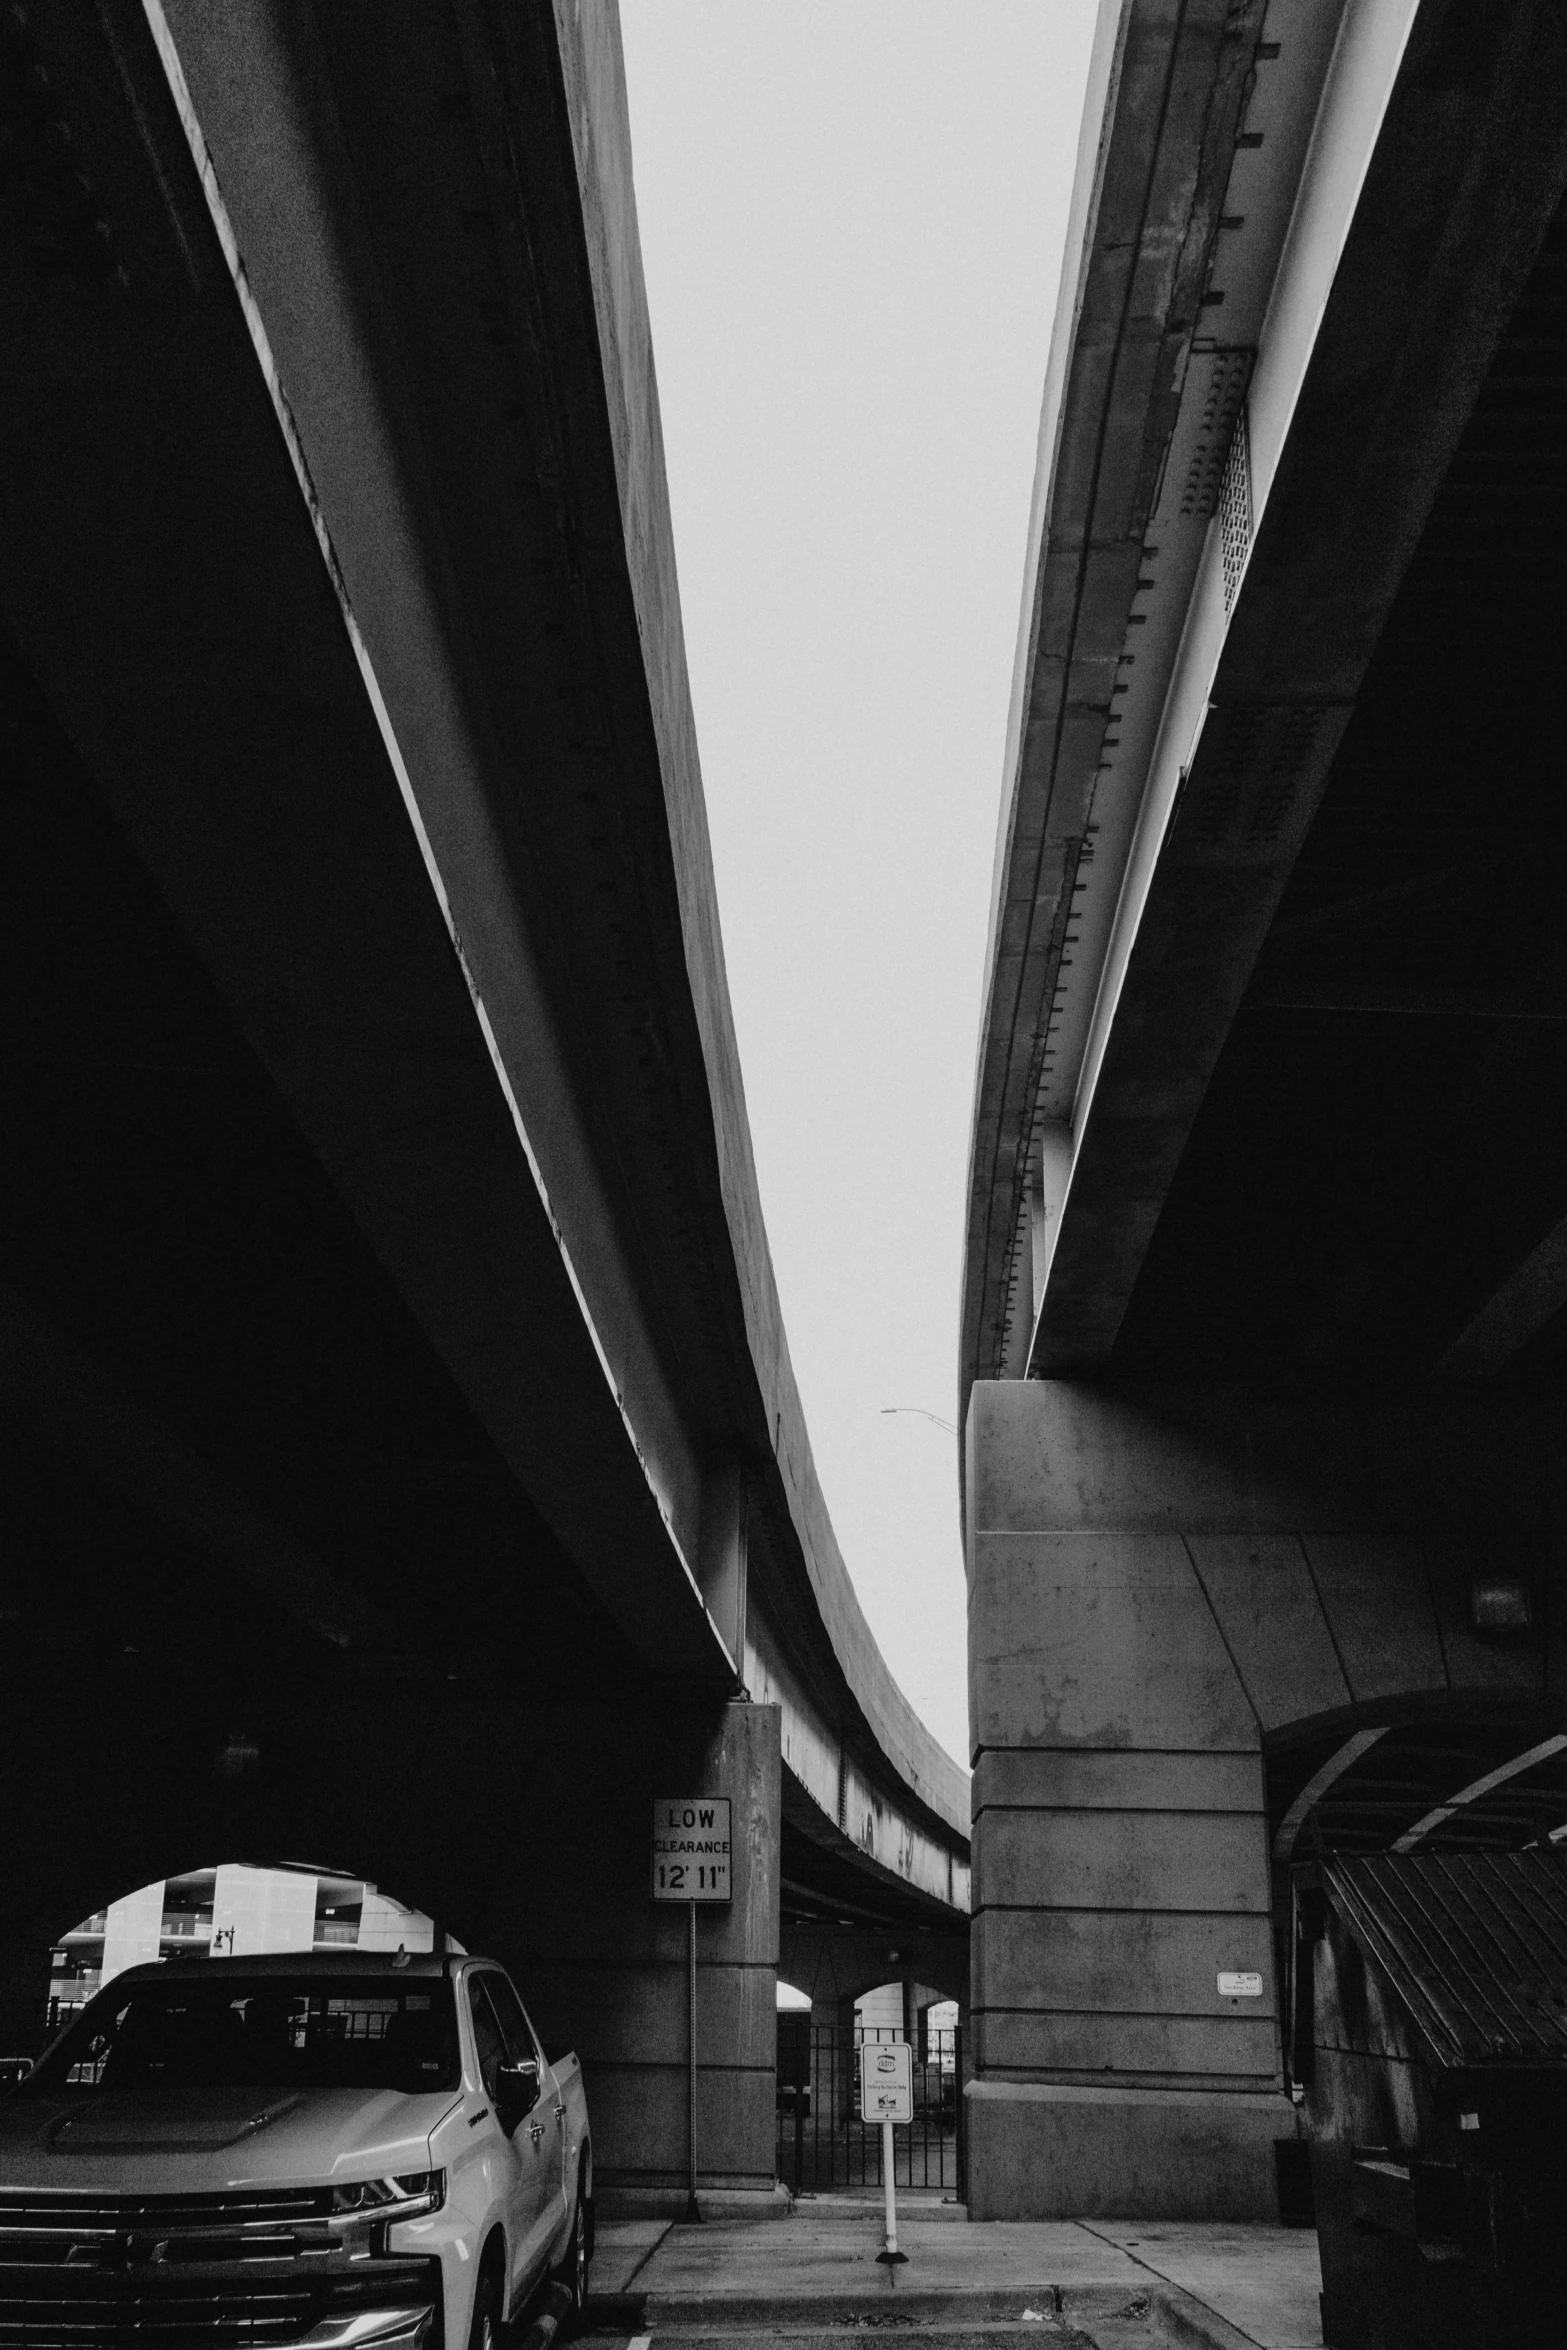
273, 2031
489, 2040
514, 2024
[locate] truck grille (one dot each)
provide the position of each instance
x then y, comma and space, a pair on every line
65, 2220
61, 2311
159, 2271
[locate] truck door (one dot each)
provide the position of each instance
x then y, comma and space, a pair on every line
546, 2123
524, 2142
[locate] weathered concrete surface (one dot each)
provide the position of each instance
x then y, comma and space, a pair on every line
620, 1963
821, 2265
1266, 2282
829, 2260
1121, 1857
1156, 2153
1161, 1580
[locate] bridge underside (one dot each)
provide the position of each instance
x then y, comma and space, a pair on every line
272, 1592
392, 1475
1374, 1183
1265, 1553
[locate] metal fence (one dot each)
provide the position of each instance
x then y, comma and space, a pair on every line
822, 2142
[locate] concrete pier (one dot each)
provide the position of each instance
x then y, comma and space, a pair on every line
1171, 1587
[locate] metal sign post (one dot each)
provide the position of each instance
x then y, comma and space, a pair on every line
887, 2096
693, 2215
692, 1863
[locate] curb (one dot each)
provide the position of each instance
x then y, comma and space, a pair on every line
1183, 2320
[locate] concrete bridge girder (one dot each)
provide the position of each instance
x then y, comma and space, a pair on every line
1212, 1627
252, 107
1174, 719
823, 1765
1328, 102
390, 785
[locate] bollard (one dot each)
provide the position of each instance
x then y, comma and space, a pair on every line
887, 2095
892, 2253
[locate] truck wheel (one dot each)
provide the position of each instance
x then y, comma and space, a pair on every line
485, 2331
573, 2270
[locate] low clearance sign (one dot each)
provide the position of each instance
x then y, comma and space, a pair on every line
691, 1848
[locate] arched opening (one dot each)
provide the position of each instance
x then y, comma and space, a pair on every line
1443, 1771
881, 2013
1425, 1772
234, 1909
1429, 1772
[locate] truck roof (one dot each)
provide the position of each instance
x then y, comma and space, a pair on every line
346, 1961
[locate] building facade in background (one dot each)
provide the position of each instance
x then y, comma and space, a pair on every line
231, 1911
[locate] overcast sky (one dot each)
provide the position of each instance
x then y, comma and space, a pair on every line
852, 215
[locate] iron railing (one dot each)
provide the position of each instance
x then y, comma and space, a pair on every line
823, 2145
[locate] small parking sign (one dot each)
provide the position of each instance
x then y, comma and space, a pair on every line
886, 2081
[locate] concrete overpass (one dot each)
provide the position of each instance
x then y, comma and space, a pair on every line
406, 1467
1262, 1343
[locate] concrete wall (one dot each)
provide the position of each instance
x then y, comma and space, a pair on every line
1157, 1584
523, 1827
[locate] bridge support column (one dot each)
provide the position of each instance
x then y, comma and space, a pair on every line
608, 1968
1120, 1850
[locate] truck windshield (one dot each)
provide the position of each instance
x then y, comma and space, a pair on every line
270, 2032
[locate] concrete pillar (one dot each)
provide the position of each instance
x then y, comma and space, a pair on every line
606, 1971
1120, 1853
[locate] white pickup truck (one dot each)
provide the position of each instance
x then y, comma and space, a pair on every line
353, 2152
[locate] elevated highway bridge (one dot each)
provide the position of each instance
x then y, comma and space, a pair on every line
405, 1469
1262, 1351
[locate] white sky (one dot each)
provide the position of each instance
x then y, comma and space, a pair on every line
852, 214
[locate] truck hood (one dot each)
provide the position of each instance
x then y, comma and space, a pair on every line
172, 2141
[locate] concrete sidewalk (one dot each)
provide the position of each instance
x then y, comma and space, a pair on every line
1239, 2288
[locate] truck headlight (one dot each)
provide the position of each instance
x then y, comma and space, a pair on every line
407, 2195
373, 2329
